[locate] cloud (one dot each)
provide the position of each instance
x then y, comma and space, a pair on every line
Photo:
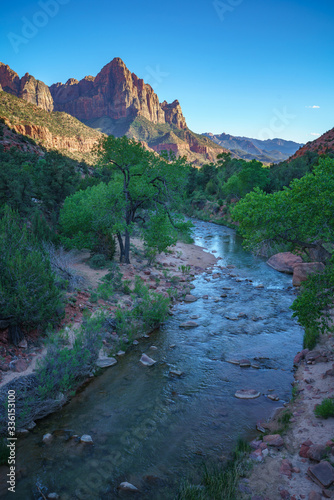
315, 133
312, 107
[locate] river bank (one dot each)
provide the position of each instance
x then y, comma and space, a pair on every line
297, 459
182, 410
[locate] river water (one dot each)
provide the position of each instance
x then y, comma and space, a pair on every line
152, 429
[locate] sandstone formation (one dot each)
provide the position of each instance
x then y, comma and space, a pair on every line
27, 88
302, 271
323, 145
284, 262
116, 102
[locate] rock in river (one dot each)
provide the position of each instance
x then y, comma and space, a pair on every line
247, 394
189, 324
146, 360
105, 361
127, 487
190, 298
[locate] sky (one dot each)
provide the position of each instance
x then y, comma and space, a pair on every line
254, 68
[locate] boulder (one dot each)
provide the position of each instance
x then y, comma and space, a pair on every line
47, 438
284, 262
189, 324
190, 298
317, 452
125, 486
302, 271
322, 474
274, 440
146, 360
105, 361
86, 438
247, 394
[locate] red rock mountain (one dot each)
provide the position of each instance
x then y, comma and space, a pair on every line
322, 145
116, 102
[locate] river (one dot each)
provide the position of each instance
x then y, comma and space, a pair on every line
152, 429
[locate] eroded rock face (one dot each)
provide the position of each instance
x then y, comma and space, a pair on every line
27, 88
284, 262
116, 93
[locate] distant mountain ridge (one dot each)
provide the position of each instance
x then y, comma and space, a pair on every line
116, 102
268, 151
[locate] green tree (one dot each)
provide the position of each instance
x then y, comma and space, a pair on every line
28, 295
302, 215
89, 219
142, 183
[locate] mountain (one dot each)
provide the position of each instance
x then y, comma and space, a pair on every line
52, 130
323, 145
268, 151
116, 102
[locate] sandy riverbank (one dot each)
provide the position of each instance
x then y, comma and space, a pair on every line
22, 361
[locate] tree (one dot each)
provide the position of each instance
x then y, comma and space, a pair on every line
143, 183
300, 216
89, 219
28, 293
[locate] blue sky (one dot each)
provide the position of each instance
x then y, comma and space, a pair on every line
246, 67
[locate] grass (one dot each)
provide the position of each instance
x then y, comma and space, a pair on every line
325, 409
219, 482
311, 337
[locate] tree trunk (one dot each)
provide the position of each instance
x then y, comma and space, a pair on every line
15, 334
127, 247
121, 247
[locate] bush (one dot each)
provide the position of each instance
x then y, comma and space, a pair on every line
98, 261
29, 296
325, 409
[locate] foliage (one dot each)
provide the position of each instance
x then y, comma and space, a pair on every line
29, 296
64, 366
159, 234
220, 482
313, 304
97, 261
300, 215
88, 219
325, 409
143, 186
149, 311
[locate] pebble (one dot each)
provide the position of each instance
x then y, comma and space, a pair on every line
86, 438
125, 486
47, 438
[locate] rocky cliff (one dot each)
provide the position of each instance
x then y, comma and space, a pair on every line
323, 145
51, 130
115, 102
27, 88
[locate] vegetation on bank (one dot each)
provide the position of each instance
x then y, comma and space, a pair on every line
220, 482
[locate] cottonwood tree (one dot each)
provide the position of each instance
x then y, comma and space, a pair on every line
144, 189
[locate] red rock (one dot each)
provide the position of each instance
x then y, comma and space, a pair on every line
322, 474
285, 494
20, 365
317, 452
301, 355
284, 262
286, 468
274, 440
302, 271
313, 495
304, 451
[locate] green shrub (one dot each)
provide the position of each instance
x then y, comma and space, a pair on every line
28, 292
311, 337
325, 409
97, 261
